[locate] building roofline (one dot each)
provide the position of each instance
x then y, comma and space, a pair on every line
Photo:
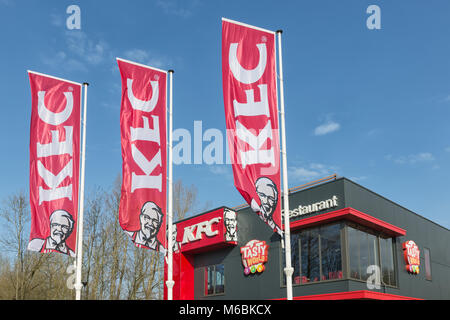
409, 210
246, 206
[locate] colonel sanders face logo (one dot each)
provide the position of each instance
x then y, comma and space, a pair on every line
230, 225
150, 220
268, 195
61, 225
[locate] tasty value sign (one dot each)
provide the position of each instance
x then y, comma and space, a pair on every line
411, 254
254, 255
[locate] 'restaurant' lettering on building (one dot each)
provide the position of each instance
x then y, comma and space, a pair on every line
311, 208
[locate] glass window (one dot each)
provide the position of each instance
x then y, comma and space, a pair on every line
387, 261
353, 243
295, 242
210, 280
215, 279
366, 249
426, 254
310, 263
316, 255
220, 277
330, 248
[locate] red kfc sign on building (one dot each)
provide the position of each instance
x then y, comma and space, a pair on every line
213, 229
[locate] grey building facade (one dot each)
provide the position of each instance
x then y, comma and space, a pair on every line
347, 242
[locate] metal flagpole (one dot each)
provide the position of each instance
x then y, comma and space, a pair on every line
288, 270
79, 259
170, 281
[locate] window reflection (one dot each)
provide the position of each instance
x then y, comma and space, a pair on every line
366, 249
387, 261
330, 243
215, 279
316, 254
310, 265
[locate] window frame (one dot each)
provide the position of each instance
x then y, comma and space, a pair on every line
214, 278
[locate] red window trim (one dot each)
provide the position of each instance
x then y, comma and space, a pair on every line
351, 215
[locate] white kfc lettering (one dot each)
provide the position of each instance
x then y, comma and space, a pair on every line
251, 108
244, 75
54, 148
145, 133
53, 182
148, 105
257, 155
146, 181
202, 227
51, 117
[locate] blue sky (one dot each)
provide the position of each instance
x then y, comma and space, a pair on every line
370, 105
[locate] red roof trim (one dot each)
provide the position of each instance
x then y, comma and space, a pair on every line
352, 215
361, 294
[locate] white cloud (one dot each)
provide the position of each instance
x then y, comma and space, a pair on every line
220, 169
447, 149
446, 99
92, 51
7, 2
60, 60
412, 158
79, 53
56, 20
178, 8
147, 58
357, 179
310, 172
327, 127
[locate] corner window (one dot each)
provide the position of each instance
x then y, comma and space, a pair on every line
215, 279
367, 249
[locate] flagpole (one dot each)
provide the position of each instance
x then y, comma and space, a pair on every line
288, 270
170, 281
79, 256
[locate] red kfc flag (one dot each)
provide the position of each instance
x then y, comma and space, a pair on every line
250, 99
144, 167
54, 163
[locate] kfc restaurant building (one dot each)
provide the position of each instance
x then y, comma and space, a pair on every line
347, 243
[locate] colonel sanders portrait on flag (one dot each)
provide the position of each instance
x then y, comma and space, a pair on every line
150, 219
268, 196
61, 226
